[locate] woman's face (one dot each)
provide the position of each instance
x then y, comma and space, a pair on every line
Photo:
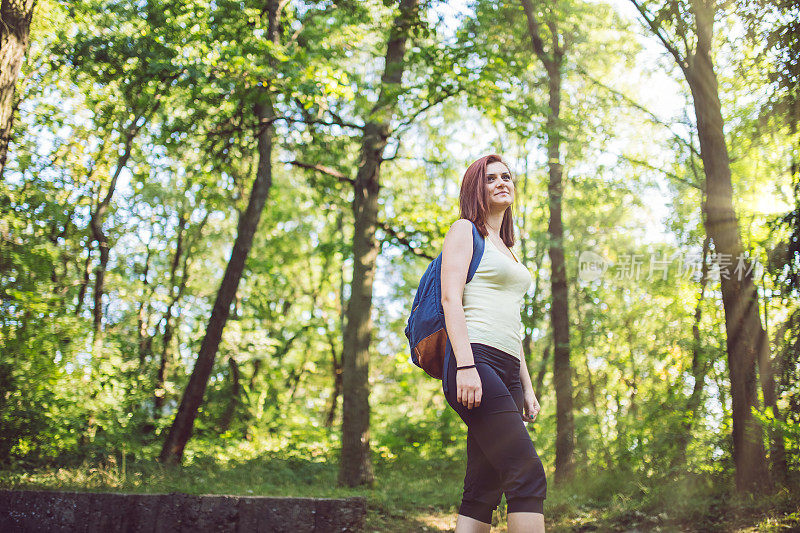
499, 186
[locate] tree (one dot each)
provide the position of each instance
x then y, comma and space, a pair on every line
745, 334
553, 61
181, 429
15, 26
355, 466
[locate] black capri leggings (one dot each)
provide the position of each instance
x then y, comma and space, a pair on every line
501, 457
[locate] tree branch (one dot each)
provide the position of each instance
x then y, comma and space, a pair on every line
402, 238
666, 173
656, 29
399, 236
324, 170
439, 99
535, 33
636, 105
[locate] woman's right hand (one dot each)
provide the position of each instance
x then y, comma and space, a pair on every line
468, 387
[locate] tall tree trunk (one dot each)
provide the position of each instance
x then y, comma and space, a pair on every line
745, 336
559, 313
181, 429
15, 26
355, 466
559, 309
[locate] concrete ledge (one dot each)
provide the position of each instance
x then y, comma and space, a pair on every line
89, 512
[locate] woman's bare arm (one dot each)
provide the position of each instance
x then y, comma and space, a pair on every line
456, 256
531, 407
524, 373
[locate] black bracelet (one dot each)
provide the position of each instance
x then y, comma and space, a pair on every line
460, 367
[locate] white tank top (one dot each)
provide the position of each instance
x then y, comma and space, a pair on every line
493, 298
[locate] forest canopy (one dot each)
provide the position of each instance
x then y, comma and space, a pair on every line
214, 216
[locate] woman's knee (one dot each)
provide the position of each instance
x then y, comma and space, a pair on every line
525, 504
529, 483
477, 509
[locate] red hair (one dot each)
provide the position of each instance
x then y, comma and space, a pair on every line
472, 200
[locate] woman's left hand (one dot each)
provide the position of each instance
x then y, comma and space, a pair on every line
531, 407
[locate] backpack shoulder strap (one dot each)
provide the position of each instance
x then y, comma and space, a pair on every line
477, 251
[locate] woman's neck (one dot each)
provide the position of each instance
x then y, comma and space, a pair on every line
494, 222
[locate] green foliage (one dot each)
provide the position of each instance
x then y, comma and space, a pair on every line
187, 76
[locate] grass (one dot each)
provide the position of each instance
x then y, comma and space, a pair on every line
411, 494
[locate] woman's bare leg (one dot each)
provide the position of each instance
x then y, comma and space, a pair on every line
525, 523
466, 524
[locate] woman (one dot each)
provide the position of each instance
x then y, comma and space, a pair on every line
485, 378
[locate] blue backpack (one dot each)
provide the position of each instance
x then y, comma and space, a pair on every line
426, 333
